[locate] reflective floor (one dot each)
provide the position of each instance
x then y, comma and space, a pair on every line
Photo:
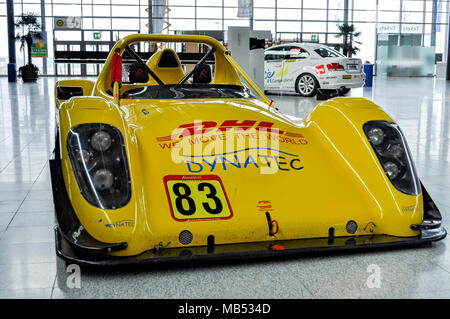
29, 267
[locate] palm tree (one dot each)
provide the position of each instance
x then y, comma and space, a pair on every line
348, 34
31, 29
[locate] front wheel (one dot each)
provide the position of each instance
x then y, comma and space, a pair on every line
344, 91
306, 85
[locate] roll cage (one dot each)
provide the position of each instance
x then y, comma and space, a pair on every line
227, 72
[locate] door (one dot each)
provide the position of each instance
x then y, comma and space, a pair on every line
295, 60
273, 67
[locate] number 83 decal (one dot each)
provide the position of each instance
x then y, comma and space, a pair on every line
194, 197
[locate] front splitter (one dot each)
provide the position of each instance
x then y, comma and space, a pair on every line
246, 251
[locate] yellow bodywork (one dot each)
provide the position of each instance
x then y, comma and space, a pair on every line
326, 173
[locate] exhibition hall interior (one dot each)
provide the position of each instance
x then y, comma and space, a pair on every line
224, 149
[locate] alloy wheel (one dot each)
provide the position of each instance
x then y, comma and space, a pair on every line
306, 84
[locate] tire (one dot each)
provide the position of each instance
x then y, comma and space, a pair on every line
56, 150
344, 91
306, 85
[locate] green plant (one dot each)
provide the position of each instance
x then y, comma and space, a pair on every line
28, 70
30, 29
348, 34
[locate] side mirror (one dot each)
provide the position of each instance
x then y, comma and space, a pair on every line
65, 89
66, 92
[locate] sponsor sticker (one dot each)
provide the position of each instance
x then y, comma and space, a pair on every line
197, 197
320, 69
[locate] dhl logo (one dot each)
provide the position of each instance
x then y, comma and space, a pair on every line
204, 127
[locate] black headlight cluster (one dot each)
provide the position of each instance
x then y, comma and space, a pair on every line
98, 157
392, 151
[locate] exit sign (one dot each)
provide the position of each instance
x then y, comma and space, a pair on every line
97, 35
314, 38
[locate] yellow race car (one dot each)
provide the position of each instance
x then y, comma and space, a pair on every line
173, 154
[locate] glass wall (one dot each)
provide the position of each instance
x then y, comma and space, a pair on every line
289, 20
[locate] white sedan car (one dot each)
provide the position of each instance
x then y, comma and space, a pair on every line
306, 67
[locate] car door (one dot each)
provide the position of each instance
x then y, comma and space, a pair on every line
295, 60
273, 67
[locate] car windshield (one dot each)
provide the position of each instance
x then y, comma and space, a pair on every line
188, 91
328, 53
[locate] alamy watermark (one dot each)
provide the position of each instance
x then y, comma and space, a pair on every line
374, 279
204, 146
74, 279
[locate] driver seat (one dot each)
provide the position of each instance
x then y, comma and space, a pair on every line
167, 66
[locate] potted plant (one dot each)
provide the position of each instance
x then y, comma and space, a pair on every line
31, 29
348, 34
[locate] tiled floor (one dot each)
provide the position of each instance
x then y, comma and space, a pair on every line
30, 269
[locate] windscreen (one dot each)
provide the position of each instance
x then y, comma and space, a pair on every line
188, 91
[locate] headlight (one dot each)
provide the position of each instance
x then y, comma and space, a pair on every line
391, 170
396, 150
375, 135
390, 146
98, 157
101, 141
103, 179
